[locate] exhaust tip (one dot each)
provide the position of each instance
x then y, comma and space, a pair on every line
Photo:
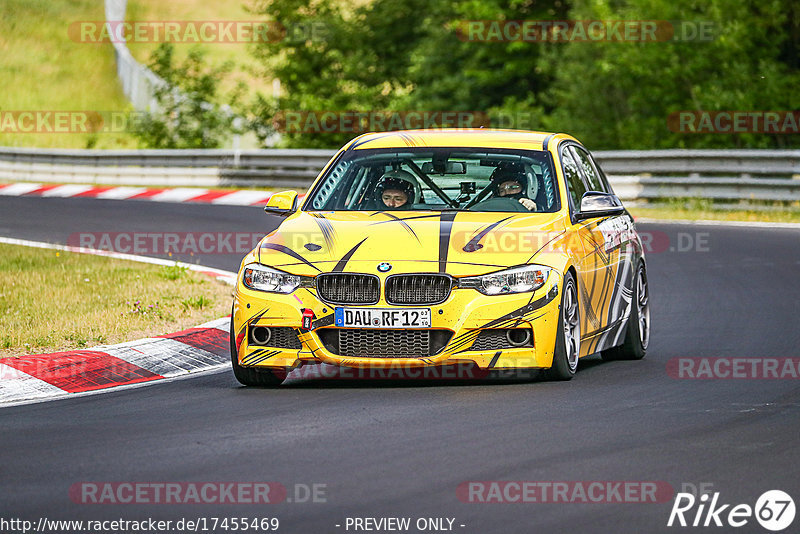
260, 335
518, 337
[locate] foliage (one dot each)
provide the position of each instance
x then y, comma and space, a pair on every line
186, 115
389, 55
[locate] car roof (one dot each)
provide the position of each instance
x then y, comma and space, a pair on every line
457, 137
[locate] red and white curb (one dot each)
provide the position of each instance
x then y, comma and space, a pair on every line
241, 197
40, 377
48, 376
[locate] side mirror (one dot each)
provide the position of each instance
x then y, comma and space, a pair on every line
283, 203
597, 204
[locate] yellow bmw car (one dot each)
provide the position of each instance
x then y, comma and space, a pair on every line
415, 249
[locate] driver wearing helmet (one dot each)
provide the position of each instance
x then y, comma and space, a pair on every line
396, 190
512, 184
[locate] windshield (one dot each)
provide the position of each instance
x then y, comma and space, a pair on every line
438, 179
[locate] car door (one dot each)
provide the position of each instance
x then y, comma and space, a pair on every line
595, 269
612, 258
591, 265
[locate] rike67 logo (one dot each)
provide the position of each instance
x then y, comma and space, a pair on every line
774, 510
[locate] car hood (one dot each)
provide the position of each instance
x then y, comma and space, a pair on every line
458, 243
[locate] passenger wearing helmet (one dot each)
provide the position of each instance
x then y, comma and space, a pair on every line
396, 190
512, 184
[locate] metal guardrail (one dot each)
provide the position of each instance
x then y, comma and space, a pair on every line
744, 163
736, 175
138, 82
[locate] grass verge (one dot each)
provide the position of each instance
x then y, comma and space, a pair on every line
217, 53
52, 300
43, 69
698, 210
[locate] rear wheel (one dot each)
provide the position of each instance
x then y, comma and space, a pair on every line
251, 376
637, 333
568, 339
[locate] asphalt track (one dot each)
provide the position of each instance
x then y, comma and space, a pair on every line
401, 449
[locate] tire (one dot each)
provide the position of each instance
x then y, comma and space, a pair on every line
250, 376
637, 331
568, 338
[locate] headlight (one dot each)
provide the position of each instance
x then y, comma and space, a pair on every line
263, 278
515, 280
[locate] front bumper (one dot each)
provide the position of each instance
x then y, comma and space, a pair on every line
465, 313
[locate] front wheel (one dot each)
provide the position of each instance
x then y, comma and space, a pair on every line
637, 332
568, 339
250, 376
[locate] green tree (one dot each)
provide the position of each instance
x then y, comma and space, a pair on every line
619, 95
407, 55
186, 115
396, 56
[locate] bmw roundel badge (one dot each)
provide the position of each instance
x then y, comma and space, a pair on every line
385, 267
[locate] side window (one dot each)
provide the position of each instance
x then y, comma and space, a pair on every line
572, 176
590, 172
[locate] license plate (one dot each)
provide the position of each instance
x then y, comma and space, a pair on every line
382, 317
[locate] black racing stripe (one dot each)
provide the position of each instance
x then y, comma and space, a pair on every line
474, 243
495, 358
371, 138
289, 252
519, 319
618, 285
431, 216
463, 340
408, 139
520, 312
327, 229
445, 228
343, 262
395, 218
255, 353
589, 314
559, 236
252, 319
265, 357
257, 316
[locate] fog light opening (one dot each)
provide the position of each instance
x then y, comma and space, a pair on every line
260, 335
518, 337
